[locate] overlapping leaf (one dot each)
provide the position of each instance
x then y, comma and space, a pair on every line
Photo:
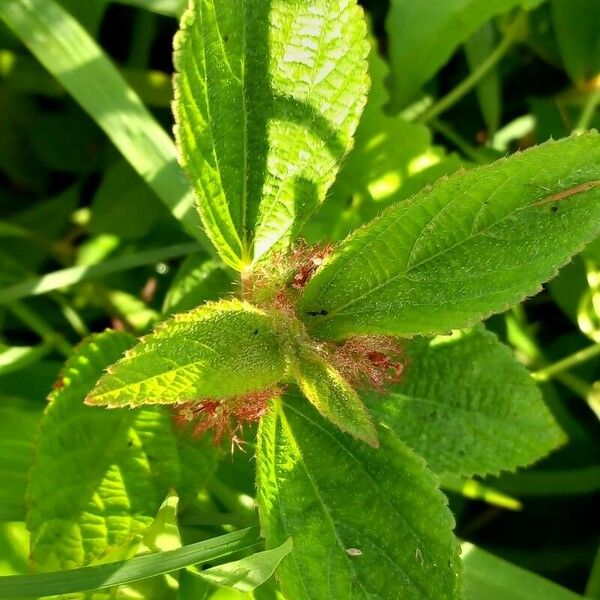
99, 477
468, 407
268, 95
334, 398
366, 523
471, 246
218, 350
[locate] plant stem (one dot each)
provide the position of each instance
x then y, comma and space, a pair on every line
35, 323
588, 111
467, 149
567, 363
471, 81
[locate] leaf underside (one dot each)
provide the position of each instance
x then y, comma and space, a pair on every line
366, 523
473, 245
468, 407
268, 95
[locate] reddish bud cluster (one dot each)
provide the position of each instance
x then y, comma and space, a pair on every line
224, 416
276, 285
368, 361
306, 260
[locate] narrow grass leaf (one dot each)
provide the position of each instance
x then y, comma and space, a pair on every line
128, 571
64, 47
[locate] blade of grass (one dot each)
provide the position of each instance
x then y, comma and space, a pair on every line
116, 573
492, 578
66, 277
25, 75
63, 46
169, 8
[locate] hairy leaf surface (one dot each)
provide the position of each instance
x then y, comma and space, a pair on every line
334, 398
218, 350
268, 95
99, 477
366, 523
468, 407
473, 245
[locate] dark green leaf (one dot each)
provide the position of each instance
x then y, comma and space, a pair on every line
468, 407
473, 245
366, 523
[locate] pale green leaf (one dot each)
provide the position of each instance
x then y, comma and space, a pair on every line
248, 573
469, 407
424, 35
163, 533
473, 245
99, 476
72, 275
218, 350
333, 397
268, 95
576, 23
141, 567
488, 577
366, 523
63, 46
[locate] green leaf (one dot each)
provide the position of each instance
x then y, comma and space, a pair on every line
491, 578
83, 69
99, 477
576, 23
141, 567
424, 35
477, 48
366, 523
379, 169
473, 245
248, 573
334, 398
197, 280
469, 407
19, 420
218, 350
123, 194
268, 95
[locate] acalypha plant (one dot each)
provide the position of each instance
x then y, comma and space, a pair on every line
364, 363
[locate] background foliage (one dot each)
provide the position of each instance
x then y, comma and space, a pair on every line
98, 230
